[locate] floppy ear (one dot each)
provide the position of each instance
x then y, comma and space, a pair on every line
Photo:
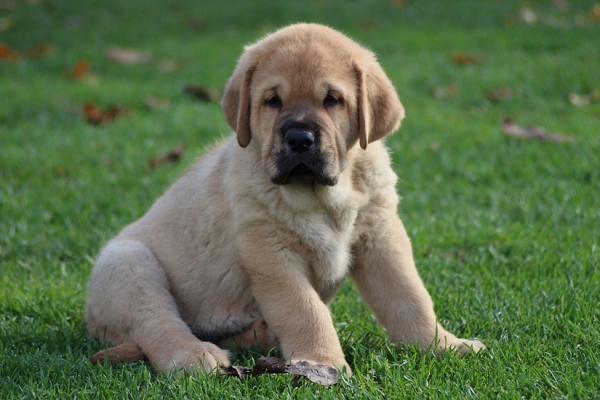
236, 101
379, 109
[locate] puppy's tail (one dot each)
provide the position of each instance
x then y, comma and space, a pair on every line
127, 352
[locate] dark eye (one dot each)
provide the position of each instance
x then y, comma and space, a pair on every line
332, 101
274, 102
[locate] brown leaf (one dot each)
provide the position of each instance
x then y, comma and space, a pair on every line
237, 371
322, 374
532, 132
464, 58
80, 68
154, 103
595, 12
269, 365
123, 55
9, 54
400, 3
444, 91
172, 156
501, 93
40, 50
168, 66
195, 23
201, 92
95, 115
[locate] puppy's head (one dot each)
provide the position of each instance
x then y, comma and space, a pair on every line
306, 95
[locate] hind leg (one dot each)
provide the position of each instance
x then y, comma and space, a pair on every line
129, 301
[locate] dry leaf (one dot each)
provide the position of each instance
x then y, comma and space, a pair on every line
584, 99
561, 5
60, 171
322, 374
40, 50
528, 16
123, 55
464, 58
95, 115
168, 66
7, 53
6, 23
172, 156
201, 92
501, 93
154, 103
80, 68
595, 13
400, 3
444, 91
532, 132
195, 23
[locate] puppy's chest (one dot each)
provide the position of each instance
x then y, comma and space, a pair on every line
327, 237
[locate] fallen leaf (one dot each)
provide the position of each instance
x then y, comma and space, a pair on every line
60, 171
40, 50
80, 68
532, 132
123, 55
584, 99
6, 23
322, 374
269, 365
172, 156
561, 5
7, 53
368, 25
444, 91
595, 13
95, 115
168, 66
528, 16
400, 3
201, 92
501, 93
8, 5
195, 23
464, 58
154, 103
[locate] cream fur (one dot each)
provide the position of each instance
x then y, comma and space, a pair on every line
227, 256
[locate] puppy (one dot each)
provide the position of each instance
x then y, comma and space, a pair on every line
252, 243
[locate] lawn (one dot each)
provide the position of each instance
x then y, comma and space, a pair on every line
506, 230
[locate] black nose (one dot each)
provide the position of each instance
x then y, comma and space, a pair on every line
299, 140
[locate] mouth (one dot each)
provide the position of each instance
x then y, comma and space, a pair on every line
303, 173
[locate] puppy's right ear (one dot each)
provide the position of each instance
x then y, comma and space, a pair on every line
236, 100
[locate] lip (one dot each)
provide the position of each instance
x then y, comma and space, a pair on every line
302, 172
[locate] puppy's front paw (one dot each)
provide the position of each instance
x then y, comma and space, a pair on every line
202, 356
462, 346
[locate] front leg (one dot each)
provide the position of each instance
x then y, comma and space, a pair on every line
386, 277
290, 305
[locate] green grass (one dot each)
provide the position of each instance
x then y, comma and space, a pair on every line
505, 231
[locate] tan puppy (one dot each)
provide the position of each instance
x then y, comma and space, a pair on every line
253, 242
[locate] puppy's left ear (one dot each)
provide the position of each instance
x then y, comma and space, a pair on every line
236, 100
378, 106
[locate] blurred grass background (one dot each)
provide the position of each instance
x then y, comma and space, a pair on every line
505, 230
